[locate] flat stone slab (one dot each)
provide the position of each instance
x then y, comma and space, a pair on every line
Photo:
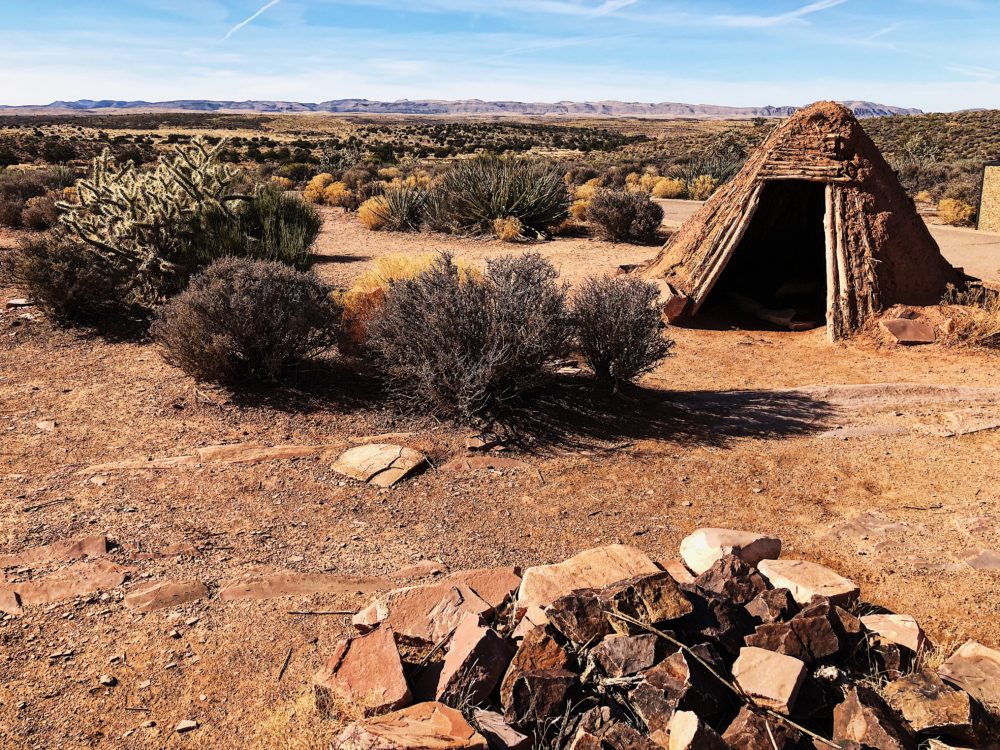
988, 559
421, 569
94, 545
702, 548
909, 332
232, 453
494, 585
289, 583
380, 464
903, 630
807, 579
771, 679
425, 726
593, 568
10, 602
365, 672
499, 734
78, 579
976, 669
422, 614
164, 594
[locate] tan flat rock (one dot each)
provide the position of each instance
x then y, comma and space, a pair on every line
380, 464
976, 669
10, 602
289, 583
78, 579
771, 679
903, 630
163, 594
494, 585
807, 579
702, 548
425, 726
94, 545
422, 614
251, 453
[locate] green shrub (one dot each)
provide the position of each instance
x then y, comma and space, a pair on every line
476, 192
246, 320
620, 216
618, 328
466, 346
397, 209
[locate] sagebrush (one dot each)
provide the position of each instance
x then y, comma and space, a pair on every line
620, 216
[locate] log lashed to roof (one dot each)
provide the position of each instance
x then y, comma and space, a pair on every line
879, 251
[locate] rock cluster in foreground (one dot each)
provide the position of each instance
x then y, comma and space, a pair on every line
734, 647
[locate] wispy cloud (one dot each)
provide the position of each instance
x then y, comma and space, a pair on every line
610, 6
752, 21
241, 24
974, 71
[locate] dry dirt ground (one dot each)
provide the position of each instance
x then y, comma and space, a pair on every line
735, 430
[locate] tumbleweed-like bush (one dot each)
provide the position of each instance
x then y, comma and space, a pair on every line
245, 320
955, 212
468, 347
617, 326
620, 216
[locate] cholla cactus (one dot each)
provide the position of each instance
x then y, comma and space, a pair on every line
136, 220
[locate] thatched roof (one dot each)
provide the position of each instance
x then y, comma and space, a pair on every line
879, 251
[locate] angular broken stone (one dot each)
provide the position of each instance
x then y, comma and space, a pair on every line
702, 548
773, 605
865, 718
732, 578
364, 672
498, 733
532, 618
716, 619
676, 569
162, 594
493, 585
680, 682
976, 669
580, 616
585, 740
425, 726
902, 630
593, 568
422, 614
476, 660
77, 579
806, 580
186, 725
772, 680
380, 464
539, 650
621, 655
688, 732
650, 599
290, 583
909, 332
932, 708
620, 736
95, 545
807, 636
536, 697
752, 731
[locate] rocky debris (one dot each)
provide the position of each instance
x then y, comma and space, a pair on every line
366, 672
17, 302
381, 464
423, 614
425, 726
934, 709
186, 725
702, 548
10, 602
178, 549
65, 550
868, 720
46, 425
909, 331
289, 583
606, 651
806, 580
902, 630
593, 568
773, 680
78, 579
466, 464
498, 733
976, 670
476, 660
162, 594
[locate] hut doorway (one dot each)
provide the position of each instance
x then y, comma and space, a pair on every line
777, 273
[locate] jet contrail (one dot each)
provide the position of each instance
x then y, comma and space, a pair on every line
241, 24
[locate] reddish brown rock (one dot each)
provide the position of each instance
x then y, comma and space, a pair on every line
364, 672
423, 614
902, 630
909, 332
976, 669
718, 620
425, 726
536, 697
688, 732
538, 651
289, 583
580, 616
752, 731
933, 708
95, 545
532, 618
806, 580
806, 637
650, 599
621, 655
772, 680
773, 605
702, 548
593, 568
732, 578
678, 571
498, 733
79, 579
585, 740
162, 594
619, 736
476, 660
10, 602
680, 682
252, 453
865, 718
493, 585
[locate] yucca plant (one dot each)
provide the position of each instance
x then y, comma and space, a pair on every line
399, 208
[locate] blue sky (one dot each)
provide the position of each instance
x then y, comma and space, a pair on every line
933, 54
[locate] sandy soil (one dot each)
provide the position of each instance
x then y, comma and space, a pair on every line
723, 435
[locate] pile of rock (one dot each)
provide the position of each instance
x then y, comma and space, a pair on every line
609, 650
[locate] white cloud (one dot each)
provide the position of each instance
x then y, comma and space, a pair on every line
241, 24
758, 21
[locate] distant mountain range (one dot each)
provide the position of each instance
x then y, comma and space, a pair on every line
666, 110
